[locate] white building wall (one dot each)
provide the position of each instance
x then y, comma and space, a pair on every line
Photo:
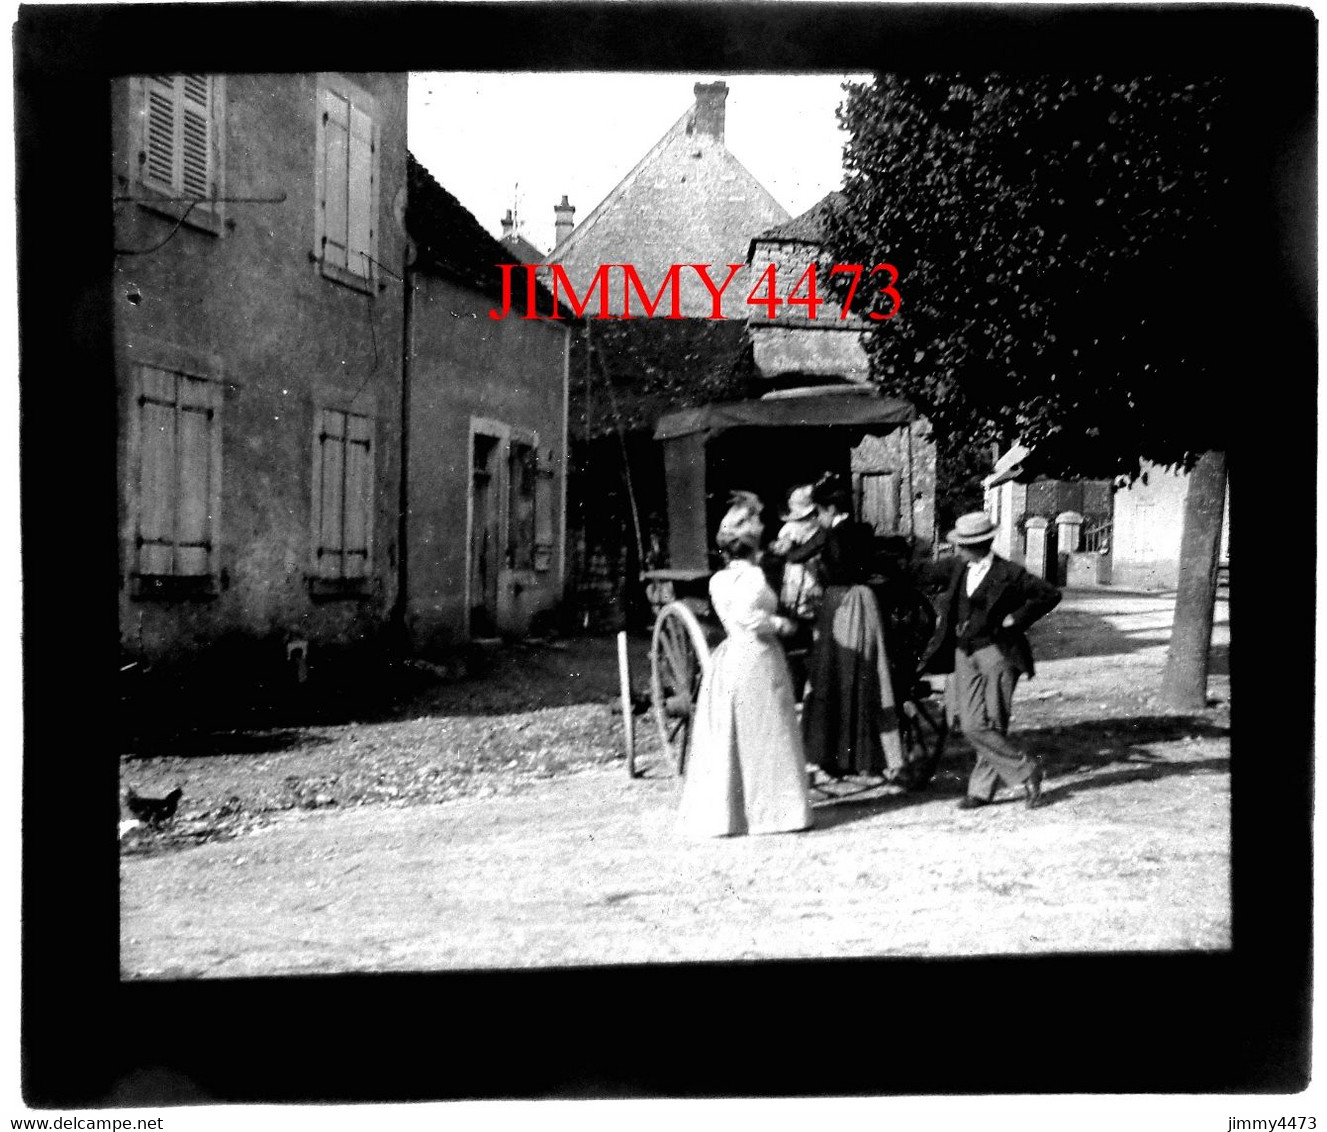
1148, 525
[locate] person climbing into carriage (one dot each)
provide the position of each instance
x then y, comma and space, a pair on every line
799, 586
850, 720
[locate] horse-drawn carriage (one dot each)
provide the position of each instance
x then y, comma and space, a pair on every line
768, 446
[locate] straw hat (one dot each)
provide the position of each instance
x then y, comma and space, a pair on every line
974, 527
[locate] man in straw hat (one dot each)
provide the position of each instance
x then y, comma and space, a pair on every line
986, 606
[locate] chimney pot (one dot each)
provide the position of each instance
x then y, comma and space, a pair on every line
507, 224
562, 220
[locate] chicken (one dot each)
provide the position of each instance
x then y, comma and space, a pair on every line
154, 811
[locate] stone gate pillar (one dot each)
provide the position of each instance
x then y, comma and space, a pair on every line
1035, 556
1070, 525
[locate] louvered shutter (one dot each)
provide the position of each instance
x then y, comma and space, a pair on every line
196, 136
359, 222
178, 141
336, 167
358, 495
161, 111
331, 541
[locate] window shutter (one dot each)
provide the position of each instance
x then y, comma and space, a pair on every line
193, 535
336, 166
545, 487
358, 496
331, 542
360, 188
156, 484
196, 136
161, 111
179, 135
521, 509
179, 458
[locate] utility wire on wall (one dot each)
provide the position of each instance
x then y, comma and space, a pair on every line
193, 202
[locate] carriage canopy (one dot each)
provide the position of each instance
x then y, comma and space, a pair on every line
824, 411
699, 473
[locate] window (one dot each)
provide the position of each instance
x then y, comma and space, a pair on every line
179, 154
347, 186
342, 497
178, 473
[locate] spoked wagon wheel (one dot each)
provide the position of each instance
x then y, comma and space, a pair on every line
909, 620
679, 657
923, 729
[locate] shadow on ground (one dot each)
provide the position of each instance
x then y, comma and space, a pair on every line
1066, 633
1113, 751
203, 744
518, 677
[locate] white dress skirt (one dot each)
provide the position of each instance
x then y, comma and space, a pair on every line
746, 771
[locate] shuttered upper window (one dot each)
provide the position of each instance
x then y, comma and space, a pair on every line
180, 151
342, 496
178, 474
347, 185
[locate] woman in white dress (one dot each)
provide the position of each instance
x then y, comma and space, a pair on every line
746, 771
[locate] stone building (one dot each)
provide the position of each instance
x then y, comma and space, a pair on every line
795, 344
690, 201
1092, 532
487, 437
687, 201
1059, 529
515, 244
258, 314
298, 492
1148, 524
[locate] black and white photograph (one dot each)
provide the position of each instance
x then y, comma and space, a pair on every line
654, 551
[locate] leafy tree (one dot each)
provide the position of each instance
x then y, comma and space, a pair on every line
1062, 249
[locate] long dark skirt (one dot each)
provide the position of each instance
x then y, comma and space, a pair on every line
850, 720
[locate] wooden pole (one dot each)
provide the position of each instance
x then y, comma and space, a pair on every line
624, 686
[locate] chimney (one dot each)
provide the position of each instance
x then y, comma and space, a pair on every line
562, 220
507, 224
709, 113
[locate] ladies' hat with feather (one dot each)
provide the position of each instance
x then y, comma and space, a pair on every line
800, 504
741, 525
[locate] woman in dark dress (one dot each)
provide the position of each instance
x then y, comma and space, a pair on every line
850, 718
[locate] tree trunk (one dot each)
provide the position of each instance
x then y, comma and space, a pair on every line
1184, 686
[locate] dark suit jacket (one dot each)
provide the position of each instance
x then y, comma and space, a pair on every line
1010, 591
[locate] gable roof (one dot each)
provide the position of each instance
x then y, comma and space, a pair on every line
520, 247
809, 228
688, 200
451, 244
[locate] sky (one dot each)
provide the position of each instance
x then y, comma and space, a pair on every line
498, 140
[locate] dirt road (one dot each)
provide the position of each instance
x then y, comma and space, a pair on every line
1130, 853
